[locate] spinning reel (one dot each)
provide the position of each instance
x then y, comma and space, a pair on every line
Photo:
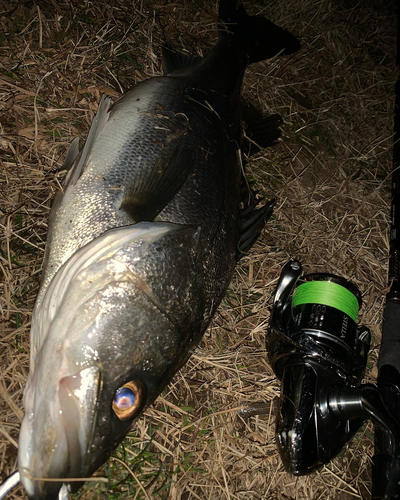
317, 350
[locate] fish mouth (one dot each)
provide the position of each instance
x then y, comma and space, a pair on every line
62, 442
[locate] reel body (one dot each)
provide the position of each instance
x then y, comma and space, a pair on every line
317, 350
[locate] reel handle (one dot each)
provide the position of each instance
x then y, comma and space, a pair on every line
366, 401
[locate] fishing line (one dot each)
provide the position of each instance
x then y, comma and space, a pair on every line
328, 294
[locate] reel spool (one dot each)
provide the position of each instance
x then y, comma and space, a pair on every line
315, 316
326, 306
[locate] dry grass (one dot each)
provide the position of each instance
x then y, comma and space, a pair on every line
330, 174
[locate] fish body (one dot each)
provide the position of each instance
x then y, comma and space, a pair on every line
158, 138
141, 247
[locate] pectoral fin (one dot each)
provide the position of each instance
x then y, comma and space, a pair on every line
261, 130
148, 195
252, 221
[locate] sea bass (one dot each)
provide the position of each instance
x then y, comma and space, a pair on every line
141, 248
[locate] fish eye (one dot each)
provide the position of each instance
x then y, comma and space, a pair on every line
128, 399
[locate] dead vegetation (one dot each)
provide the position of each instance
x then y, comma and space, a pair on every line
330, 173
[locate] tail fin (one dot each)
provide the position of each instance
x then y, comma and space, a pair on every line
261, 38
227, 19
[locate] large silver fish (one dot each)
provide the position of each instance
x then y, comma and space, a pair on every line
141, 247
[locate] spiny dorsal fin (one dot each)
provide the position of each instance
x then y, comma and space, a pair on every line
97, 126
72, 154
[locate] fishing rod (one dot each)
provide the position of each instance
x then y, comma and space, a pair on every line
389, 355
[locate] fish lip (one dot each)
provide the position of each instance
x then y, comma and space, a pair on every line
79, 397
61, 491
74, 427
41, 494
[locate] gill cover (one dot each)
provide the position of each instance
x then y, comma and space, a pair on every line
100, 249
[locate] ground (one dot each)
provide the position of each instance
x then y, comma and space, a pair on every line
330, 173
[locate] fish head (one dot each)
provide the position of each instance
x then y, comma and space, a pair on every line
113, 333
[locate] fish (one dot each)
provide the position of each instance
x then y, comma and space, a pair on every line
143, 241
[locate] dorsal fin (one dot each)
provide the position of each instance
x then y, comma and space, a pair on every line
173, 60
72, 154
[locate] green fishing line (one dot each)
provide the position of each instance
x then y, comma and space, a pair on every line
329, 294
